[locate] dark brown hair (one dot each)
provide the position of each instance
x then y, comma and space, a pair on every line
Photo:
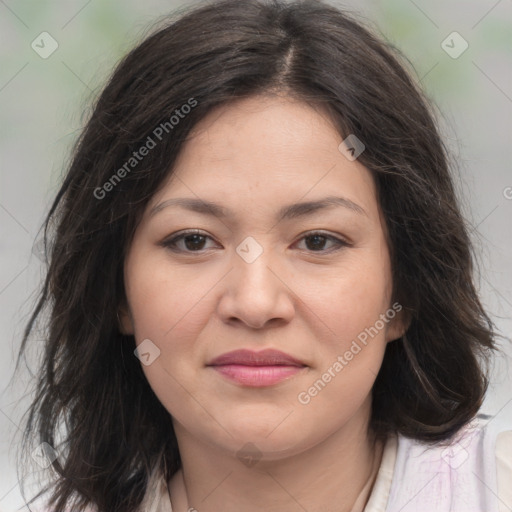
432, 380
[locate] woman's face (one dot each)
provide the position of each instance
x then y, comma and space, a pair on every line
254, 279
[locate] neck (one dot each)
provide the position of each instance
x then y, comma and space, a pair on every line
333, 475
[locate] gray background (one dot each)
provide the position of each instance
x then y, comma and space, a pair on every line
42, 102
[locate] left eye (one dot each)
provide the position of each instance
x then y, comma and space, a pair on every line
319, 240
195, 241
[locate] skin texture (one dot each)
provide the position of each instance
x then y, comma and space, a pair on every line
299, 296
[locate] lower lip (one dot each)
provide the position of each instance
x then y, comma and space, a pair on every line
257, 376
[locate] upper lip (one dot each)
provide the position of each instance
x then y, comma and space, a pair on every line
267, 357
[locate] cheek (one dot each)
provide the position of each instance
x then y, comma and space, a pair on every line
350, 298
165, 302
348, 309
350, 356
168, 310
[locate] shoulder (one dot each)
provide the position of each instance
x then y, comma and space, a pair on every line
504, 467
45, 507
459, 474
48, 509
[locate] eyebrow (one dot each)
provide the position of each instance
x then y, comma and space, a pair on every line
291, 211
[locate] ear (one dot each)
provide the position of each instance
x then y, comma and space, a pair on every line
125, 322
398, 325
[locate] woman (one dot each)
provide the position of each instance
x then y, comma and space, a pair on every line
260, 287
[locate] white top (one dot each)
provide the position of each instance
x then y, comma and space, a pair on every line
471, 474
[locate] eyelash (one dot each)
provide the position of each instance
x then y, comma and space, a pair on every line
170, 243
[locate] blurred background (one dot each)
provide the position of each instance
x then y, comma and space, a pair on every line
55, 57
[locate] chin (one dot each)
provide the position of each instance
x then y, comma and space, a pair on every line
272, 438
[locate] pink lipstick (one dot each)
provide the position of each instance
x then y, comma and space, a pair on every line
257, 369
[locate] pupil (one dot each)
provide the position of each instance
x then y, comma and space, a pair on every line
317, 238
194, 245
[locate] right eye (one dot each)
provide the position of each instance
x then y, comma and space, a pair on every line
191, 241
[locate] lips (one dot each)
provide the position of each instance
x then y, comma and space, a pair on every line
268, 357
256, 369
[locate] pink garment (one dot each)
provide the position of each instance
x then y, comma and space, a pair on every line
460, 477
457, 477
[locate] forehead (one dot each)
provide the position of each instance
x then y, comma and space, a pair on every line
252, 129
266, 150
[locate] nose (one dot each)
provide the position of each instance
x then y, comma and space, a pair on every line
257, 293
